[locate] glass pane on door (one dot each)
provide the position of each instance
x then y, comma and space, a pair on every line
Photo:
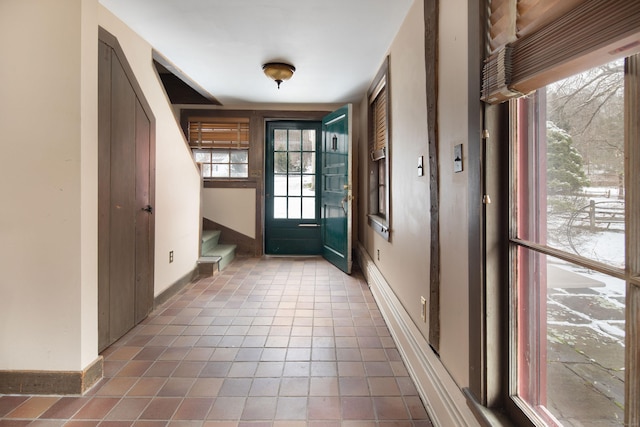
294, 174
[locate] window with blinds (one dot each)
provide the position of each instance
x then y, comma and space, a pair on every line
562, 54
228, 134
221, 146
534, 43
378, 118
379, 122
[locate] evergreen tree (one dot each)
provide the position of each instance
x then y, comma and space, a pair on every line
565, 174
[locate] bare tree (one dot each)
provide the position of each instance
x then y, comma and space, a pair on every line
589, 107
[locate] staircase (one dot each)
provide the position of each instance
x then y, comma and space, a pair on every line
213, 254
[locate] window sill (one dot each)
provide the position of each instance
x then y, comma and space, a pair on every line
486, 416
229, 183
379, 225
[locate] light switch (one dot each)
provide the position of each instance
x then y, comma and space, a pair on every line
420, 166
457, 158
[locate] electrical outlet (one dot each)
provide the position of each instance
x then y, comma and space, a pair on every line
423, 311
170, 257
378, 254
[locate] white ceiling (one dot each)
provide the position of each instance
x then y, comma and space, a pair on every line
336, 46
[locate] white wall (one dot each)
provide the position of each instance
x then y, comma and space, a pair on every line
177, 204
48, 217
235, 208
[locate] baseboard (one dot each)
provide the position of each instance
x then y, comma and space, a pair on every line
444, 401
172, 290
51, 382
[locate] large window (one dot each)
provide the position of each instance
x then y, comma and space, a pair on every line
379, 197
221, 146
574, 245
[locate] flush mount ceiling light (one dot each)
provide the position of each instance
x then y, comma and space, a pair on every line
278, 71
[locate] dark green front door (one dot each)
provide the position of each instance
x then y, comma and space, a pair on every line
292, 223
308, 188
336, 188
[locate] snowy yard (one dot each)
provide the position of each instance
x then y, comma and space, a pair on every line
586, 318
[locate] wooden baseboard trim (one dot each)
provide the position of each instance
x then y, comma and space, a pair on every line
443, 399
175, 288
51, 382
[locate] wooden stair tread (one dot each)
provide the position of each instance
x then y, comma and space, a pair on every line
209, 258
220, 250
209, 234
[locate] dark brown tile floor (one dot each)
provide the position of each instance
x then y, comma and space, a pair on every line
267, 342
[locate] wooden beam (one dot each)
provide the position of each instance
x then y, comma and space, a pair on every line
431, 16
180, 88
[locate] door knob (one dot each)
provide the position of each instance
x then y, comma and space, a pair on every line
148, 208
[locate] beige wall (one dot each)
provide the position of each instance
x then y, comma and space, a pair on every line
48, 166
89, 182
404, 260
453, 127
235, 208
48, 217
177, 205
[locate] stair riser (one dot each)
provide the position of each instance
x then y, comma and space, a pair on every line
226, 260
211, 247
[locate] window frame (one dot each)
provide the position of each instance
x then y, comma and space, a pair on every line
228, 146
227, 151
379, 159
492, 391
516, 405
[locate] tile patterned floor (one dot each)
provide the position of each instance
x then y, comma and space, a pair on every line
267, 342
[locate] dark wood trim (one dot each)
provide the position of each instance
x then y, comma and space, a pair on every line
230, 183
175, 288
431, 18
476, 152
488, 316
256, 171
261, 115
485, 416
51, 382
180, 88
112, 41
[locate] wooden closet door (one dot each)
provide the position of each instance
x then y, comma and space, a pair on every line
125, 265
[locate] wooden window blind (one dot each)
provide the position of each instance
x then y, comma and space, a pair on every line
226, 133
379, 122
502, 21
536, 42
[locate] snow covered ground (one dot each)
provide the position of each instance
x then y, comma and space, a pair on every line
586, 316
